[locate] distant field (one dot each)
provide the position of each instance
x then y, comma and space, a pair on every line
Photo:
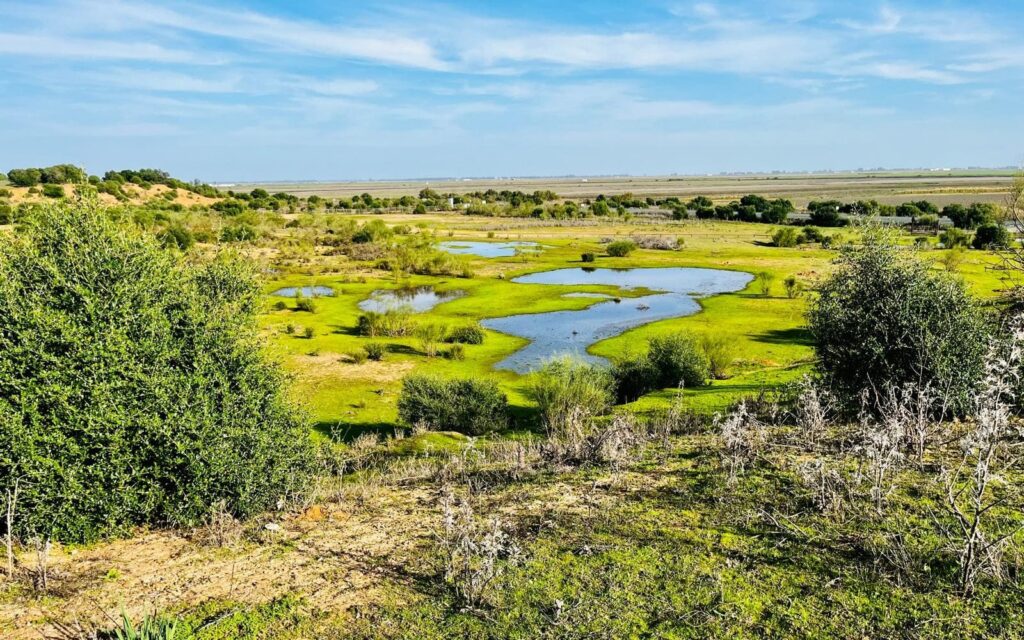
942, 187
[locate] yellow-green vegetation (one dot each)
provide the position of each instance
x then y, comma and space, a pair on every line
768, 344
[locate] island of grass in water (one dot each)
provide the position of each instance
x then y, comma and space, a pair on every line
572, 332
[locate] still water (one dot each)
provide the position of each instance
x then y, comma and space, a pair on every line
571, 332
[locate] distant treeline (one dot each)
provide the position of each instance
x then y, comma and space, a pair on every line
111, 182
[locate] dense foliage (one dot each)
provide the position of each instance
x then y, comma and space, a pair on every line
886, 318
467, 406
670, 361
132, 386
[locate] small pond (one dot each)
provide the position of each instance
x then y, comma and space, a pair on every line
487, 249
417, 299
571, 332
304, 292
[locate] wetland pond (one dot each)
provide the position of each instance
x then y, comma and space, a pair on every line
417, 299
487, 249
304, 292
675, 290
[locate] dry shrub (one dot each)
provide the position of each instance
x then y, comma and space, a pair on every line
742, 437
474, 552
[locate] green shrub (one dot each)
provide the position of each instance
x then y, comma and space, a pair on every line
587, 257
621, 248
569, 392
309, 332
679, 360
720, 350
886, 318
811, 234
793, 287
953, 238
176, 236
53, 191
469, 406
455, 352
634, 376
359, 356
991, 236
392, 323
239, 233
303, 303
139, 395
469, 334
430, 335
785, 237
376, 350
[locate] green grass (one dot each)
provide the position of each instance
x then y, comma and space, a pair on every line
771, 348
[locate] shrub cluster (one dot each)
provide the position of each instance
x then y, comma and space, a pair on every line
670, 361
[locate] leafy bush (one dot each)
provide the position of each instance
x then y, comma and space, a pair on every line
430, 335
811, 234
886, 318
469, 406
53, 191
303, 303
587, 257
469, 334
825, 216
670, 361
720, 351
793, 287
455, 352
392, 323
785, 237
764, 281
176, 236
621, 248
953, 238
973, 216
634, 376
359, 356
991, 236
679, 360
376, 351
238, 233
569, 392
133, 389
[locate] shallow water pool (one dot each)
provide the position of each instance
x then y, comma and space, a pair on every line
571, 332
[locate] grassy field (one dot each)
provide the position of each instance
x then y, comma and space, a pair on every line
888, 187
770, 346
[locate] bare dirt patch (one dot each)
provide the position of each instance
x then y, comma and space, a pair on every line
334, 556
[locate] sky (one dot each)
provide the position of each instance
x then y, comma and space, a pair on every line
322, 90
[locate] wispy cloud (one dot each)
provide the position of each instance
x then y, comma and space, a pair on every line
53, 46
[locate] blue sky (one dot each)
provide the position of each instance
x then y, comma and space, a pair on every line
330, 90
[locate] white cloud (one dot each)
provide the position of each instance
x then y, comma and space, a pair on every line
53, 46
268, 32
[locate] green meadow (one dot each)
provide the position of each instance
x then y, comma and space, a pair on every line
769, 346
